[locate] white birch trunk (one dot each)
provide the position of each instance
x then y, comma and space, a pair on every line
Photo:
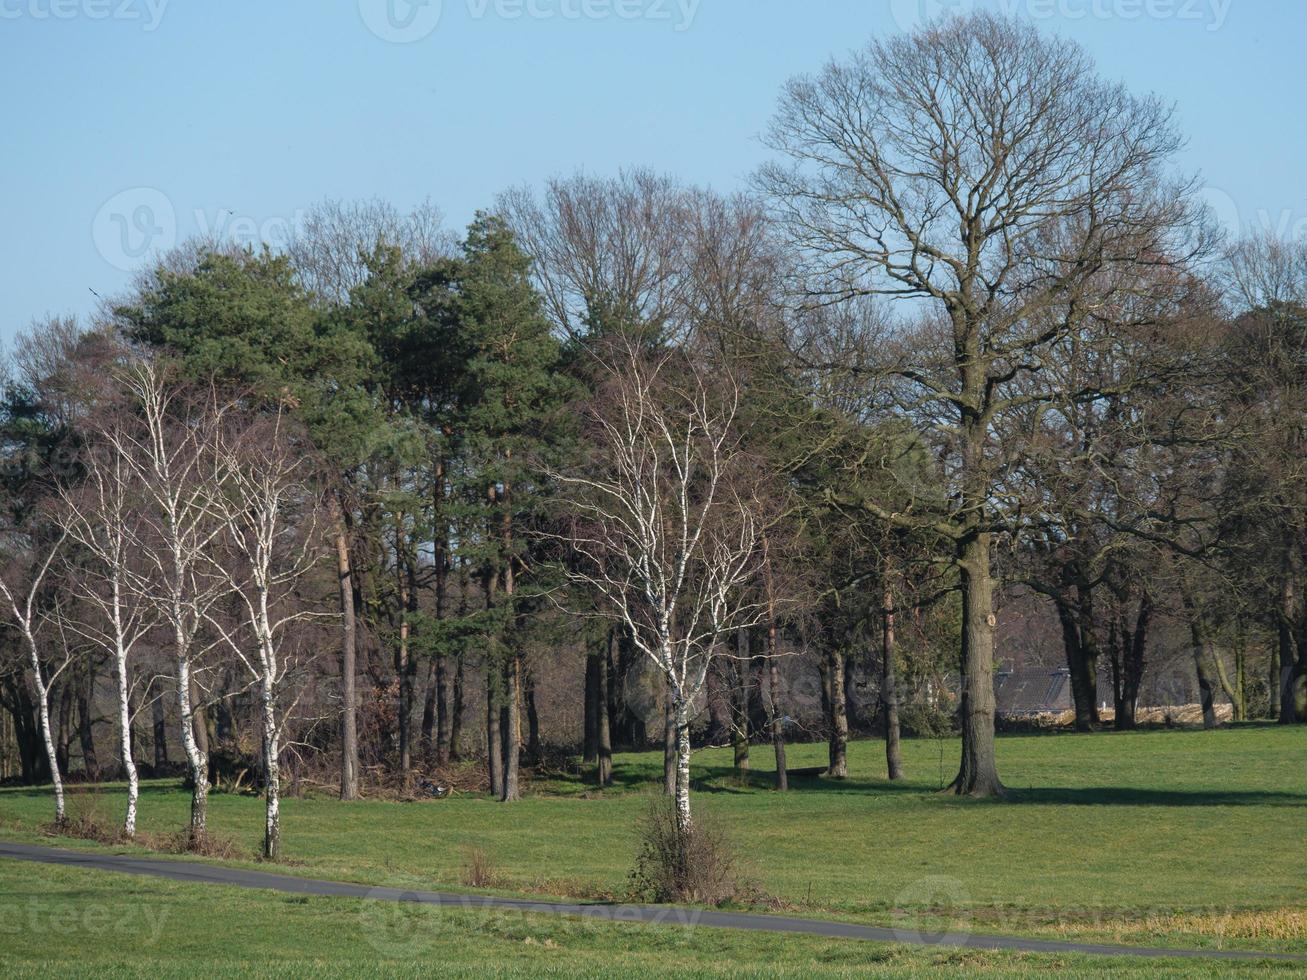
684, 824
43, 697
272, 772
271, 734
23, 619
125, 724
195, 760
124, 712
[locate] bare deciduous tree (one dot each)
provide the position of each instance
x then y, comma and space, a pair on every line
984, 171
669, 525
170, 456
617, 243
330, 244
266, 513
21, 587
102, 518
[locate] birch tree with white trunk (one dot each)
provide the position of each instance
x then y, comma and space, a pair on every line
21, 602
171, 456
269, 549
669, 524
102, 518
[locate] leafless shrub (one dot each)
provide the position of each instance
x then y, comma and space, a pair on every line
207, 844
478, 870
88, 818
701, 866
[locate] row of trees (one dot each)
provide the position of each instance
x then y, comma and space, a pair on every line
972, 340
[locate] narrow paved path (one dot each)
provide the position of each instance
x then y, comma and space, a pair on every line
191, 871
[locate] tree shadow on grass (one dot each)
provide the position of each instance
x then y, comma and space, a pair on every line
1142, 796
74, 790
724, 779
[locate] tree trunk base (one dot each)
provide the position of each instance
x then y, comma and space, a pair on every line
977, 789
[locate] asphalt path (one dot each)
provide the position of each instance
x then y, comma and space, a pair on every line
198, 873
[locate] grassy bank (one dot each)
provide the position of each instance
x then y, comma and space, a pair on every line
1165, 838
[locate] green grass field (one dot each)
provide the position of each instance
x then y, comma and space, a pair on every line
1187, 839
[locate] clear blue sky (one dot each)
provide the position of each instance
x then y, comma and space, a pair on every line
120, 113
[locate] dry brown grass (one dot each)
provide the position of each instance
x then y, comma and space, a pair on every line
1277, 924
180, 842
478, 870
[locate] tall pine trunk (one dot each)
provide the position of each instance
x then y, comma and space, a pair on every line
533, 747
774, 720
456, 698
404, 665
603, 730
85, 722
513, 678
427, 742
739, 697
159, 736
590, 739
494, 738
456, 709
440, 560
444, 720
513, 729
349, 733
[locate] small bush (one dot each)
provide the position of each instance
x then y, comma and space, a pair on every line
478, 871
180, 842
703, 869
88, 818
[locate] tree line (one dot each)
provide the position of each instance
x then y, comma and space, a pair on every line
646, 455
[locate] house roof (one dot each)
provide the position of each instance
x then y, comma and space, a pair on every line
1029, 691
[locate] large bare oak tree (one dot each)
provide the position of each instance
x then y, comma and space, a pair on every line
985, 173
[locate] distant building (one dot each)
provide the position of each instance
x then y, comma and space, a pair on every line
1031, 691
1043, 695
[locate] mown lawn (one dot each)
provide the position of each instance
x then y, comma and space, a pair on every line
78, 923
1169, 838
